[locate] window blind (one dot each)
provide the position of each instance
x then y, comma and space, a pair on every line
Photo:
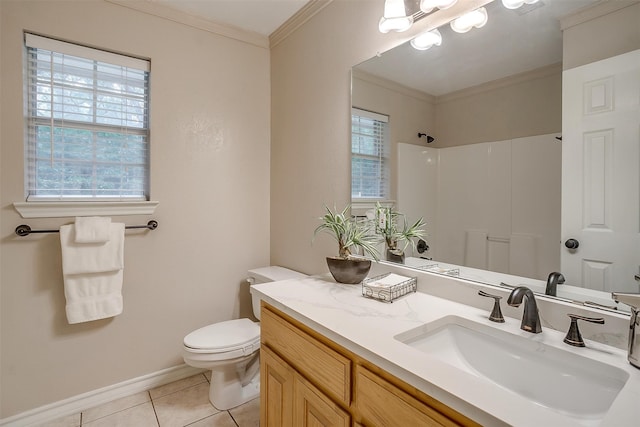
369, 155
87, 123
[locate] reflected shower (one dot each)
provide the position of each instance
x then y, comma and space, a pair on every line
429, 138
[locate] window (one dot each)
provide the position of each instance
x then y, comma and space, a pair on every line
87, 123
369, 155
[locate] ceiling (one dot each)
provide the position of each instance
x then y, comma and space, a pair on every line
259, 16
512, 42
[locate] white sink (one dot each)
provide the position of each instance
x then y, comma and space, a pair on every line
565, 382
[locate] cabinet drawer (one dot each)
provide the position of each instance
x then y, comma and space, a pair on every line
324, 367
380, 403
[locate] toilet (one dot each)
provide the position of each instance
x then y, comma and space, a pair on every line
230, 349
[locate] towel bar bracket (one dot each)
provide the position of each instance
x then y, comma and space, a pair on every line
24, 230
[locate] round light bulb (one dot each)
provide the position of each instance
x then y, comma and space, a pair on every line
477, 18
427, 40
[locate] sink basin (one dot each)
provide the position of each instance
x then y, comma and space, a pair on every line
573, 385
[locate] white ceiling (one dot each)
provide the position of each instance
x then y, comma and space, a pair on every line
260, 16
512, 42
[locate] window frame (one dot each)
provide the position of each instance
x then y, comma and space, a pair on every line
383, 155
93, 204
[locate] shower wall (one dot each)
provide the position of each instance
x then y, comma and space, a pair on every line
492, 205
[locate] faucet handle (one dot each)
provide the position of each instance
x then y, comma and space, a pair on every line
496, 313
573, 335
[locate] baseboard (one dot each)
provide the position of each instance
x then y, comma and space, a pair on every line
84, 401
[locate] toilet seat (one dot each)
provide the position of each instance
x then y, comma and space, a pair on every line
225, 340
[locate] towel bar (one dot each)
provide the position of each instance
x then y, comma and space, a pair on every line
25, 230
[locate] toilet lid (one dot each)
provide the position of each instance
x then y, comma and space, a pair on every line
224, 336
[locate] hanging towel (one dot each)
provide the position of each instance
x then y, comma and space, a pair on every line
92, 274
92, 229
79, 258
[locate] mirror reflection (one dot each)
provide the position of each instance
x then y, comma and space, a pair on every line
478, 147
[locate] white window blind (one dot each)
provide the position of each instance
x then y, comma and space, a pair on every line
87, 123
369, 155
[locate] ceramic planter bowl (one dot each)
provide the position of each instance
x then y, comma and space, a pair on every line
348, 271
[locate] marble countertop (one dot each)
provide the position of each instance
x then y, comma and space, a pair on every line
367, 327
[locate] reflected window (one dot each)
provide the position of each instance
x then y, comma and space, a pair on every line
369, 155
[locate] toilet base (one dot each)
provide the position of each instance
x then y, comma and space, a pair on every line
236, 395
235, 384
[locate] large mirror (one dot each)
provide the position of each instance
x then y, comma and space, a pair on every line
478, 148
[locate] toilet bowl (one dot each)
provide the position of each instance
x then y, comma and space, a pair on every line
230, 349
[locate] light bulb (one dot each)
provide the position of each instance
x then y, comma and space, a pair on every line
427, 40
395, 17
395, 24
477, 18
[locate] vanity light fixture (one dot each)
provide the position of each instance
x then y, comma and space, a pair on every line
427, 39
395, 17
476, 18
514, 4
428, 5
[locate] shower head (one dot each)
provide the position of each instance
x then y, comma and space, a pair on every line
430, 139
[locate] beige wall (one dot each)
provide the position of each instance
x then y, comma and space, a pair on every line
210, 171
524, 105
609, 30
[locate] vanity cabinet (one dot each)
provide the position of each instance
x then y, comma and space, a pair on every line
307, 379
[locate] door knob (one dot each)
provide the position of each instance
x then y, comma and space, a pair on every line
572, 244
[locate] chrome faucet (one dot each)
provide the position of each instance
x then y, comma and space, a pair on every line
553, 281
530, 317
633, 301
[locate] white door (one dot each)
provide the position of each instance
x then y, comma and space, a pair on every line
600, 178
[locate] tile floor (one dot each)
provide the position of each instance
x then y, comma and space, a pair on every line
178, 404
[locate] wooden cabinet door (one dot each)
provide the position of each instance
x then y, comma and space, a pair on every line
382, 404
276, 390
313, 409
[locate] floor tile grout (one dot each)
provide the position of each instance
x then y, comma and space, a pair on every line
161, 417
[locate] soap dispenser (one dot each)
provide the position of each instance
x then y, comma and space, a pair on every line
633, 301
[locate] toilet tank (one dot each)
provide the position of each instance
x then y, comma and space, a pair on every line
272, 273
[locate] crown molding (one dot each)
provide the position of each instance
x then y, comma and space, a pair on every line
391, 85
153, 8
297, 20
601, 8
538, 73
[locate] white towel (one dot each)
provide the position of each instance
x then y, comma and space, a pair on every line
93, 275
92, 229
79, 258
388, 281
93, 296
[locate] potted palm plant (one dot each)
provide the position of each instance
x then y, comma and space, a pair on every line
393, 226
351, 234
